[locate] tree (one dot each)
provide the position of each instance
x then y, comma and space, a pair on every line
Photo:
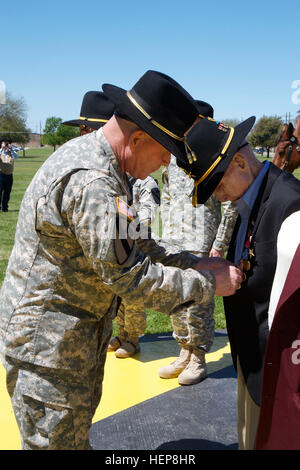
265, 132
66, 133
55, 133
231, 122
13, 116
50, 132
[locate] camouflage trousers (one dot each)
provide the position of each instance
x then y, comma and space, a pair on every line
131, 321
195, 325
53, 407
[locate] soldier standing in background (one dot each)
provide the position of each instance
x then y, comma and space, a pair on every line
203, 231
8, 153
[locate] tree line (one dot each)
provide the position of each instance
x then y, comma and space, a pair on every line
55, 133
13, 116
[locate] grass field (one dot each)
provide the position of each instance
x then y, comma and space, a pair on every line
25, 168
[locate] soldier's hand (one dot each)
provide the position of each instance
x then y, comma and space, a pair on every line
212, 263
228, 276
228, 280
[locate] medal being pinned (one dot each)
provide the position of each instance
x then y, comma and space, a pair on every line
245, 262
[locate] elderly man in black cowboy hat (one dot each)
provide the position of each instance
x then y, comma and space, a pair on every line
223, 163
75, 255
198, 230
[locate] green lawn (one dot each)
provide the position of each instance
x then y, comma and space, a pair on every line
25, 168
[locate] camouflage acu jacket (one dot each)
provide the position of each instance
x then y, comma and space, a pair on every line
70, 260
145, 198
193, 228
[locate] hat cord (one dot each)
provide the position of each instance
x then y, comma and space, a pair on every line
92, 119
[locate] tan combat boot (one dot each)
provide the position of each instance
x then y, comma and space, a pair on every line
173, 370
196, 369
129, 347
116, 341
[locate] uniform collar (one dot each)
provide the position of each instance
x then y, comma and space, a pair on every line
246, 202
109, 153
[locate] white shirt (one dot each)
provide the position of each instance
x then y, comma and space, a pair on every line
287, 244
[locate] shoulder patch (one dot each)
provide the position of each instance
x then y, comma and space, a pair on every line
125, 209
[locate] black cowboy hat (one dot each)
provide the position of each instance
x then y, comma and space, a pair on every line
96, 110
159, 106
212, 145
204, 109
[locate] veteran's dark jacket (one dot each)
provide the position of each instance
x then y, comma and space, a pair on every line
247, 311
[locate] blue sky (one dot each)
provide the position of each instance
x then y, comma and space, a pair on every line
242, 57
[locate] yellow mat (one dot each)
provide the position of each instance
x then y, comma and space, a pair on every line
127, 382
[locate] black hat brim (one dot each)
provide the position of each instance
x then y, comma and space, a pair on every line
207, 187
78, 122
127, 109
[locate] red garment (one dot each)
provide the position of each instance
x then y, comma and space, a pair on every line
279, 422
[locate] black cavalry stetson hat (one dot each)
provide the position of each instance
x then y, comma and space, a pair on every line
96, 110
212, 145
204, 109
159, 106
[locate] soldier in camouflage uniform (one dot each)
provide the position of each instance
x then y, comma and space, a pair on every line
75, 255
146, 200
203, 231
95, 111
